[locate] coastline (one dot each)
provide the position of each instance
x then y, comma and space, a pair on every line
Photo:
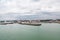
28, 22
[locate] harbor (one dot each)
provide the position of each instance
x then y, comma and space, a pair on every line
29, 22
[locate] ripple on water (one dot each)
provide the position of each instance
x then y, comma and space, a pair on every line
47, 31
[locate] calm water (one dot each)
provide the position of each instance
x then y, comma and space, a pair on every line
47, 31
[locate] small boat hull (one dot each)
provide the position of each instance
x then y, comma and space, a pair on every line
32, 24
3, 24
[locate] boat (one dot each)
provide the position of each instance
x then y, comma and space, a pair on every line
3, 24
33, 24
8, 23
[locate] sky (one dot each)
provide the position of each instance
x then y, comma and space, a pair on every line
44, 9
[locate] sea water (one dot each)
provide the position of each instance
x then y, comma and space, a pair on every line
47, 31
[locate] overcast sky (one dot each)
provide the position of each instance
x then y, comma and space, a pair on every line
30, 7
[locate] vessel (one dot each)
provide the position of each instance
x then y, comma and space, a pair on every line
3, 24
33, 24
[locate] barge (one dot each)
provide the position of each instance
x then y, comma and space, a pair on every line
32, 24
3, 24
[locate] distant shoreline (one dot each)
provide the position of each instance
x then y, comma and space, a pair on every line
28, 21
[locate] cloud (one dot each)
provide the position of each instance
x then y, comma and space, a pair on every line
14, 8
40, 15
32, 6
18, 6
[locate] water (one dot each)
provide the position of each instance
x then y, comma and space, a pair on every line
47, 31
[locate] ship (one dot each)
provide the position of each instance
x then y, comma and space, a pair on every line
32, 24
3, 24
